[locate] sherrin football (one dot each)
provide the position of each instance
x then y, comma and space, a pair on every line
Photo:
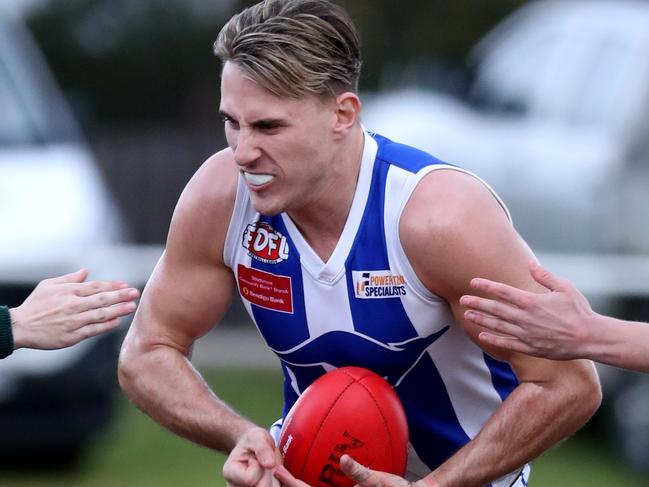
348, 410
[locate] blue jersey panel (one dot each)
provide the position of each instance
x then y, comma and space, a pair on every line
282, 330
403, 156
502, 376
383, 319
435, 432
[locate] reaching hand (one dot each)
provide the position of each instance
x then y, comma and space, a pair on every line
552, 325
252, 461
64, 310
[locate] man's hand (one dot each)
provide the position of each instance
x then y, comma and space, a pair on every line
252, 461
366, 477
362, 475
64, 310
554, 325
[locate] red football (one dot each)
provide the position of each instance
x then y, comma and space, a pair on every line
348, 410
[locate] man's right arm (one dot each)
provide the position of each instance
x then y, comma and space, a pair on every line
187, 294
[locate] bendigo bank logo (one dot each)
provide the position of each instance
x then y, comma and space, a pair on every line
264, 243
378, 284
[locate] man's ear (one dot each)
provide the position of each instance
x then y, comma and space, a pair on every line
348, 109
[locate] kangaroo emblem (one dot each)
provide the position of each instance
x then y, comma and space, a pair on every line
338, 348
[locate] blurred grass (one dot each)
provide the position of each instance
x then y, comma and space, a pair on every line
137, 452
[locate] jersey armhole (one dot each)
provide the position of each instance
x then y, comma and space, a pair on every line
240, 202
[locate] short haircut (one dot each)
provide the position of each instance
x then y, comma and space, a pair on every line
294, 47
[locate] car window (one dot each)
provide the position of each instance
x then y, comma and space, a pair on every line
607, 72
504, 82
16, 126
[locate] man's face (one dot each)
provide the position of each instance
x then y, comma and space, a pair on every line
284, 147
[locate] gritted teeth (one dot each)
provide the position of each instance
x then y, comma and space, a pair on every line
257, 179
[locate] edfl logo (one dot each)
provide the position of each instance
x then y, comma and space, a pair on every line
264, 243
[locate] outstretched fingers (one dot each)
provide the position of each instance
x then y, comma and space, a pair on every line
73, 277
93, 329
479, 307
500, 291
95, 287
104, 313
109, 300
547, 279
505, 342
494, 323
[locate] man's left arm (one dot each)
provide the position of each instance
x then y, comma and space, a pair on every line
465, 235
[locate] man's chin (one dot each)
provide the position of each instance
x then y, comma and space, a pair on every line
265, 208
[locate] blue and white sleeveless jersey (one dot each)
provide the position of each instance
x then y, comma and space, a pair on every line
366, 307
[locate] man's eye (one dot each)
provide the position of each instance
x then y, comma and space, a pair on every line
229, 120
268, 126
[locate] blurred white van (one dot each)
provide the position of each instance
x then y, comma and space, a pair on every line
54, 207
555, 119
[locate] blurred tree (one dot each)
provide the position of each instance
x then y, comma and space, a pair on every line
153, 58
406, 42
130, 59
145, 81
418, 41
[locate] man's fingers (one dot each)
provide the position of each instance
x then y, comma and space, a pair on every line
286, 479
93, 329
547, 279
78, 276
499, 290
108, 298
265, 451
243, 472
493, 323
506, 343
268, 479
93, 287
491, 307
103, 314
354, 470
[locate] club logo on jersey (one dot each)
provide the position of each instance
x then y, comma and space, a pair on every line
378, 284
264, 243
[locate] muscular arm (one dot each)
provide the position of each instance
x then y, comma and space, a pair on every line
467, 234
188, 293
559, 324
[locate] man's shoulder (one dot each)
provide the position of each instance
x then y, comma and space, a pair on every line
213, 186
204, 209
450, 198
449, 222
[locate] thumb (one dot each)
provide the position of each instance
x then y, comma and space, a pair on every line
547, 279
267, 454
354, 470
78, 276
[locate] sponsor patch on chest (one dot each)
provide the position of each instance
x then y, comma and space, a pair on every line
378, 284
264, 289
264, 243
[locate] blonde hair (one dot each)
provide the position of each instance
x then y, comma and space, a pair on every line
294, 47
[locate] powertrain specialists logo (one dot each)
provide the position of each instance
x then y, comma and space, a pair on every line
378, 284
264, 243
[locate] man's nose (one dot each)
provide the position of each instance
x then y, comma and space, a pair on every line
246, 149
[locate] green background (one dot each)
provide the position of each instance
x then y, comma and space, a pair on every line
138, 452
